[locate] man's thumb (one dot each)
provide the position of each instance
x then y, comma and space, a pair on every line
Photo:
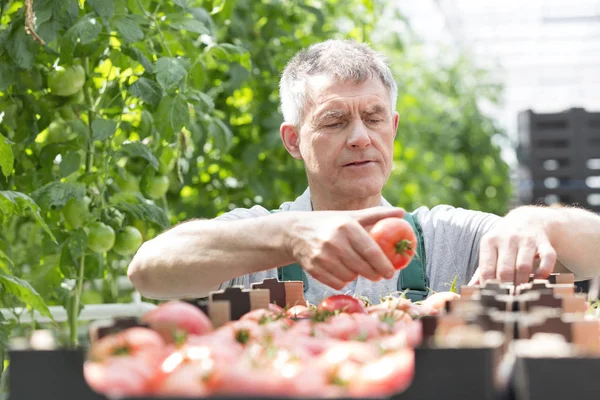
370, 216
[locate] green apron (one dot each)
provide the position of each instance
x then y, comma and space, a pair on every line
412, 280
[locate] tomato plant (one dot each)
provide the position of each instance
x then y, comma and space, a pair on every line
397, 239
101, 237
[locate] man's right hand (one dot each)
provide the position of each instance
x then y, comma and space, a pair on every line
335, 247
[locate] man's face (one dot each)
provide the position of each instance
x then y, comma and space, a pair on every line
346, 139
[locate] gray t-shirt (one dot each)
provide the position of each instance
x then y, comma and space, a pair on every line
451, 237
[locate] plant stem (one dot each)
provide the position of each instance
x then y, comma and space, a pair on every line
75, 303
89, 155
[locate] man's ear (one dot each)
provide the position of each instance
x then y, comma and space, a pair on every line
290, 137
395, 119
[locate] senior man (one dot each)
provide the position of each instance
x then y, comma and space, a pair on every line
338, 100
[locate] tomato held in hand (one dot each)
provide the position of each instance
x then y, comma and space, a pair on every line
397, 239
342, 303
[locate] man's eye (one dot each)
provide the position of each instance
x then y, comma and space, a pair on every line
374, 121
333, 125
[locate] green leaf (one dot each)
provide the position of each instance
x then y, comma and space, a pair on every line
69, 164
25, 293
7, 157
7, 260
201, 15
171, 115
178, 115
139, 56
181, 3
57, 194
138, 149
18, 49
104, 8
86, 30
141, 208
16, 203
128, 28
77, 244
169, 72
198, 75
8, 77
221, 134
205, 100
191, 25
147, 90
103, 129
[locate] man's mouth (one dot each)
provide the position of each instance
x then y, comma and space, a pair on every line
356, 163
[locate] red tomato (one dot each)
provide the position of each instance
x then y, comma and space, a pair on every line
300, 312
188, 380
119, 376
259, 315
342, 303
137, 342
437, 301
385, 376
173, 316
397, 239
276, 309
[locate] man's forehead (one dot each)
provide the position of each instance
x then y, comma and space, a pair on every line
321, 89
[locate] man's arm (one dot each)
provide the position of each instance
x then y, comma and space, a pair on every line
559, 239
195, 257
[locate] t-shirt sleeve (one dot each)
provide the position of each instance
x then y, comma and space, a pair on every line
451, 237
243, 213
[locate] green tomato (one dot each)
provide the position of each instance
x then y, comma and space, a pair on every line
128, 183
66, 81
128, 241
67, 113
101, 237
57, 132
76, 212
77, 98
157, 187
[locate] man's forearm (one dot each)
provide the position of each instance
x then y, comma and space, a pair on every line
575, 235
195, 257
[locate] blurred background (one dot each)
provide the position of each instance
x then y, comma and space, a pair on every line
545, 55
121, 118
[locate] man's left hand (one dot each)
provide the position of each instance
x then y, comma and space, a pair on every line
514, 249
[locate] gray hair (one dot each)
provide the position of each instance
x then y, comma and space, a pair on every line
344, 60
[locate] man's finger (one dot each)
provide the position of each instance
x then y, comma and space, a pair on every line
328, 279
343, 272
370, 216
475, 279
371, 253
488, 257
547, 256
524, 263
507, 258
355, 263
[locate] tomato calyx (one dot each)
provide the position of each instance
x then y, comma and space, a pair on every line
242, 336
404, 246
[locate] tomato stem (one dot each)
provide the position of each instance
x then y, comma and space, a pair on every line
403, 246
75, 304
89, 155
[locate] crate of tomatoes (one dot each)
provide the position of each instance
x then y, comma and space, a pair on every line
268, 343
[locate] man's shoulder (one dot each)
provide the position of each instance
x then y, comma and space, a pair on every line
445, 213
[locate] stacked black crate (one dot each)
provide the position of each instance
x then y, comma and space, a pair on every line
559, 153
559, 160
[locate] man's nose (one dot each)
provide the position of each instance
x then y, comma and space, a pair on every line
359, 136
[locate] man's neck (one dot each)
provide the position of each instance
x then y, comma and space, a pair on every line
320, 202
